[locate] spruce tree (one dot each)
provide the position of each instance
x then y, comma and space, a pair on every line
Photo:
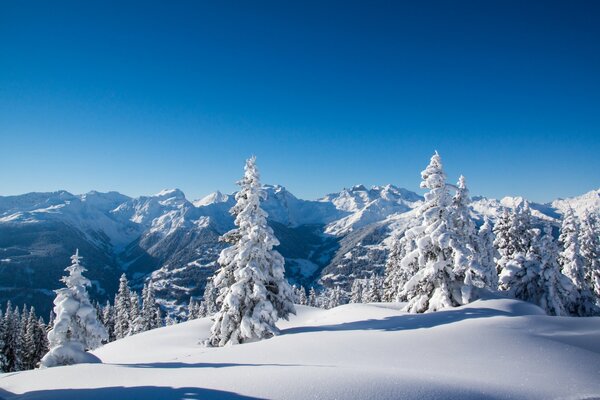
258, 293
122, 309
76, 328
487, 253
108, 319
590, 251
356, 292
440, 258
312, 298
573, 266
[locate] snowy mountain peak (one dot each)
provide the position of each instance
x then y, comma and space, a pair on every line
213, 198
170, 193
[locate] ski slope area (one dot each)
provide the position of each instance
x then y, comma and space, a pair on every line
490, 349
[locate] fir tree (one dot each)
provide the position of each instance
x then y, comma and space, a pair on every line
10, 339
487, 253
590, 251
441, 260
108, 319
122, 309
573, 266
356, 292
312, 298
76, 328
258, 293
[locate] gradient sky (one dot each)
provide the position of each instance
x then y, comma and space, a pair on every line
140, 96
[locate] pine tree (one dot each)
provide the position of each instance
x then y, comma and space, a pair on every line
3, 359
150, 312
209, 300
29, 345
487, 253
356, 292
590, 251
441, 260
137, 324
108, 320
76, 328
503, 242
259, 294
312, 298
10, 339
572, 265
372, 292
122, 309
335, 298
535, 276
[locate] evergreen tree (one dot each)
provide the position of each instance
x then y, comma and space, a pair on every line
108, 319
572, 265
590, 251
488, 254
3, 359
535, 276
76, 328
312, 298
150, 312
372, 291
441, 260
10, 339
259, 293
335, 297
209, 299
136, 323
356, 293
122, 309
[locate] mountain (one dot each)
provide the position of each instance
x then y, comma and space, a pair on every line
489, 349
175, 242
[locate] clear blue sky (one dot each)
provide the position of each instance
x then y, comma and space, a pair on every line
139, 96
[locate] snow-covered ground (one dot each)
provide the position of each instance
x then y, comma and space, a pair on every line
490, 349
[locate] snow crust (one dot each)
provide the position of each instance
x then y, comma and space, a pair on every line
490, 349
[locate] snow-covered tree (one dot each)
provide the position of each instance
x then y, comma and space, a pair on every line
372, 293
334, 298
258, 293
441, 260
122, 309
312, 298
76, 328
535, 276
136, 323
356, 292
590, 251
300, 293
209, 306
10, 339
487, 253
573, 266
108, 320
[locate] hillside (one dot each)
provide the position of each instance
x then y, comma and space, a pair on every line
490, 349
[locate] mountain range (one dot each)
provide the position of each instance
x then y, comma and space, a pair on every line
175, 243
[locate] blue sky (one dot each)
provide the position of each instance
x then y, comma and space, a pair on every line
140, 96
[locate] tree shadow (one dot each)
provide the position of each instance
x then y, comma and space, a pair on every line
128, 393
202, 365
404, 322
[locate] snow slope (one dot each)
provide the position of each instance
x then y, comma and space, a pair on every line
490, 349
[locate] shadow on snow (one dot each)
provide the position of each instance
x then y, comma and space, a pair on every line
132, 393
404, 322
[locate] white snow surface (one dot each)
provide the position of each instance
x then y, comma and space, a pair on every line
489, 349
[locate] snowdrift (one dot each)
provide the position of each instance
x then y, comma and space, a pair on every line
490, 349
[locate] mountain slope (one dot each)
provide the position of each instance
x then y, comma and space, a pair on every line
175, 242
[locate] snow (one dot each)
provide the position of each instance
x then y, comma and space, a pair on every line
489, 349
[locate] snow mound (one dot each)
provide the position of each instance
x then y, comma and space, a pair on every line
490, 349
